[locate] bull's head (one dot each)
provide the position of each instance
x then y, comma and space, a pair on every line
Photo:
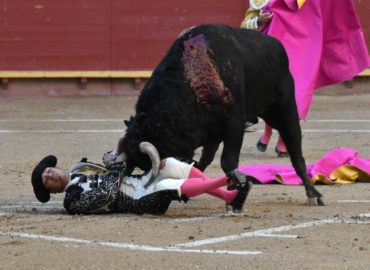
130, 144
147, 148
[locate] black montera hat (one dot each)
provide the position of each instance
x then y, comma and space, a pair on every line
42, 194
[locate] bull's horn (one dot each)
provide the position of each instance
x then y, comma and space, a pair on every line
151, 151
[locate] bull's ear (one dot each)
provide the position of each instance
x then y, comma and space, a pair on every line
129, 122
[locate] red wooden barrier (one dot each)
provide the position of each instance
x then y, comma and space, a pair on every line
107, 35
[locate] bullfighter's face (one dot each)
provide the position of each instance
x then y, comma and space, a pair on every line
54, 179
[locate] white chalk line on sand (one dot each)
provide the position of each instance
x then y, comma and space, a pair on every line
177, 220
120, 130
36, 205
62, 131
353, 201
23, 131
270, 232
40, 206
127, 245
30, 206
333, 131
64, 120
114, 244
339, 120
121, 120
182, 247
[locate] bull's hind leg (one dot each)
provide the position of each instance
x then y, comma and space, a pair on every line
293, 140
290, 131
284, 118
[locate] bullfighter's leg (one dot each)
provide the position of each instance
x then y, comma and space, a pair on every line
172, 168
195, 186
280, 148
264, 139
208, 154
234, 201
220, 192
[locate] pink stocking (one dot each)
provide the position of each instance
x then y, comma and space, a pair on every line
218, 192
280, 145
265, 138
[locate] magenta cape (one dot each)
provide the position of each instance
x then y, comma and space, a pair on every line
324, 42
339, 158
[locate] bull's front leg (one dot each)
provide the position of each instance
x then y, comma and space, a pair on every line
233, 141
208, 154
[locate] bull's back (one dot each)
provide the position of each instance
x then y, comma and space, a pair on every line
250, 64
209, 74
248, 50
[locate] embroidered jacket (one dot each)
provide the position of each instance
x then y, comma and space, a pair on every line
94, 189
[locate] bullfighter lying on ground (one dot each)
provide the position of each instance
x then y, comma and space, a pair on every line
93, 188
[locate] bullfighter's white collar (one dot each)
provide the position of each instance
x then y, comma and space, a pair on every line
258, 4
71, 181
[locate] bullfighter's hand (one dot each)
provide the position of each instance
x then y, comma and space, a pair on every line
264, 18
109, 158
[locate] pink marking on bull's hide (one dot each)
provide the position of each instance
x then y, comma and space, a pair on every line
202, 74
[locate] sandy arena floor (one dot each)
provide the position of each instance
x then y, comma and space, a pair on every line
276, 231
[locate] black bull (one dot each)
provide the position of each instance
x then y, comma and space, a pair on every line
212, 81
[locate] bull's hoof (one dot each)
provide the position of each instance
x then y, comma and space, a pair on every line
320, 202
315, 201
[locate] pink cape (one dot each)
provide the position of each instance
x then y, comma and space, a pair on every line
324, 42
268, 173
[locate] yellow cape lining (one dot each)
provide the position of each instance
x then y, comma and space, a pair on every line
346, 174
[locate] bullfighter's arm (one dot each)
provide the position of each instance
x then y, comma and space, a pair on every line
250, 16
255, 19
